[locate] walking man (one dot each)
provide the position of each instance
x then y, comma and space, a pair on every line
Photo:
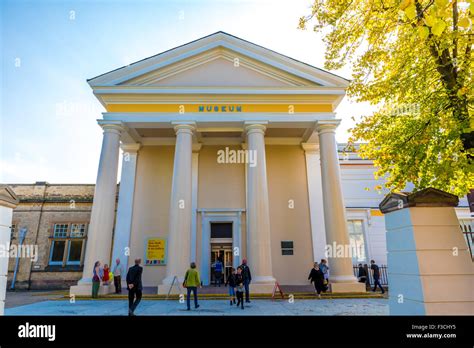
118, 271
134, 284
376, 275
247, 279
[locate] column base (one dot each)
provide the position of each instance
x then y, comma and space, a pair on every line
85, 289
262, 285
348, 287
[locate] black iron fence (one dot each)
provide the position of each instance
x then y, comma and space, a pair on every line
370, 279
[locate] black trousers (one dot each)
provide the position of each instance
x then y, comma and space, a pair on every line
134, 298
319, 286
118, 284
377, 282
240, 298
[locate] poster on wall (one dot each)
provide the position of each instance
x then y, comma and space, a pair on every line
155, 252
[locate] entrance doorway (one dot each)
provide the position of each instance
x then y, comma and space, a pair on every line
221, 248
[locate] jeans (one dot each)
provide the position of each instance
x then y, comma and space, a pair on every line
118, 284
377, 282
247, 291
132, 302
188, 298
218, 276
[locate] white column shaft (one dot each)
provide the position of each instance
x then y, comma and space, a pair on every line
99, 234
334, 209
258, 229
315, 197
123, 223
179, 237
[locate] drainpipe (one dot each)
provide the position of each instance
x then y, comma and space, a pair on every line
22, 236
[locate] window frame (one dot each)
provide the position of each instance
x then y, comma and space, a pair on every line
363, 222
68, 239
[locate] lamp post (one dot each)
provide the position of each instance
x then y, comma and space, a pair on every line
22, 235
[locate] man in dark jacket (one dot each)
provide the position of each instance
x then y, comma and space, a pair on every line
247, 279
134, 285
376, 275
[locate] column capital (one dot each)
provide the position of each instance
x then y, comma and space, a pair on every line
184, 126
197, 147
310, 147
111, 126
255, 127
131, 148
327, 126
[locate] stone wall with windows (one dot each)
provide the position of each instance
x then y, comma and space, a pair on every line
56, 217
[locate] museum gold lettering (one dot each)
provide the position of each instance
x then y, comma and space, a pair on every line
220, 108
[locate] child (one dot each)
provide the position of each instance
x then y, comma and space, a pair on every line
231, 282
106, 276
239, 282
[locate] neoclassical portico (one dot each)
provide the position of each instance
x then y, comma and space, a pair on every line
171, 114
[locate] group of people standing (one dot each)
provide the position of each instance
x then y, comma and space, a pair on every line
104, 274
319, 275
237, 281
134, 281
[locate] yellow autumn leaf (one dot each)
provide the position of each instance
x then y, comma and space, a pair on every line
464, 22
404, 4
439, 27
423, 32
410, 11
430, 20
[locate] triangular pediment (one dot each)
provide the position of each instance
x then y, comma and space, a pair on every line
217, 60
218, 68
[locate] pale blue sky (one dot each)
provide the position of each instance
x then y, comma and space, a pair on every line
49, 49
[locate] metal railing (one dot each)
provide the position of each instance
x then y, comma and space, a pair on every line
370, 279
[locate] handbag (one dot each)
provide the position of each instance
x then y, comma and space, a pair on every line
184, 281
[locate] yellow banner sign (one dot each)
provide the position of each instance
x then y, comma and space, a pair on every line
155, 251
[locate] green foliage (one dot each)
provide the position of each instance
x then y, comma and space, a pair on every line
413, 59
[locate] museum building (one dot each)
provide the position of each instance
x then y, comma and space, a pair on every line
229, 152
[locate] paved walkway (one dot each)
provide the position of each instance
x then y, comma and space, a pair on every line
207, 307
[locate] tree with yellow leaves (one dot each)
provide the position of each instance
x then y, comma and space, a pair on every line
413, 60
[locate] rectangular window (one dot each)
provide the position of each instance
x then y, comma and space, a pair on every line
78, 230
57, 252
67, 243
287, 247
60, 230
357, 240
75, 251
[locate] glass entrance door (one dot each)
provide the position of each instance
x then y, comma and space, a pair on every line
222, 252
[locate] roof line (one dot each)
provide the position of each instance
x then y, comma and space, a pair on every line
220, 32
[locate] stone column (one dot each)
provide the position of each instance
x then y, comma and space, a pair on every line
195, 176
99, 234
8, 202
258, 229
123, 222
315, 197
341, 275
179, 232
